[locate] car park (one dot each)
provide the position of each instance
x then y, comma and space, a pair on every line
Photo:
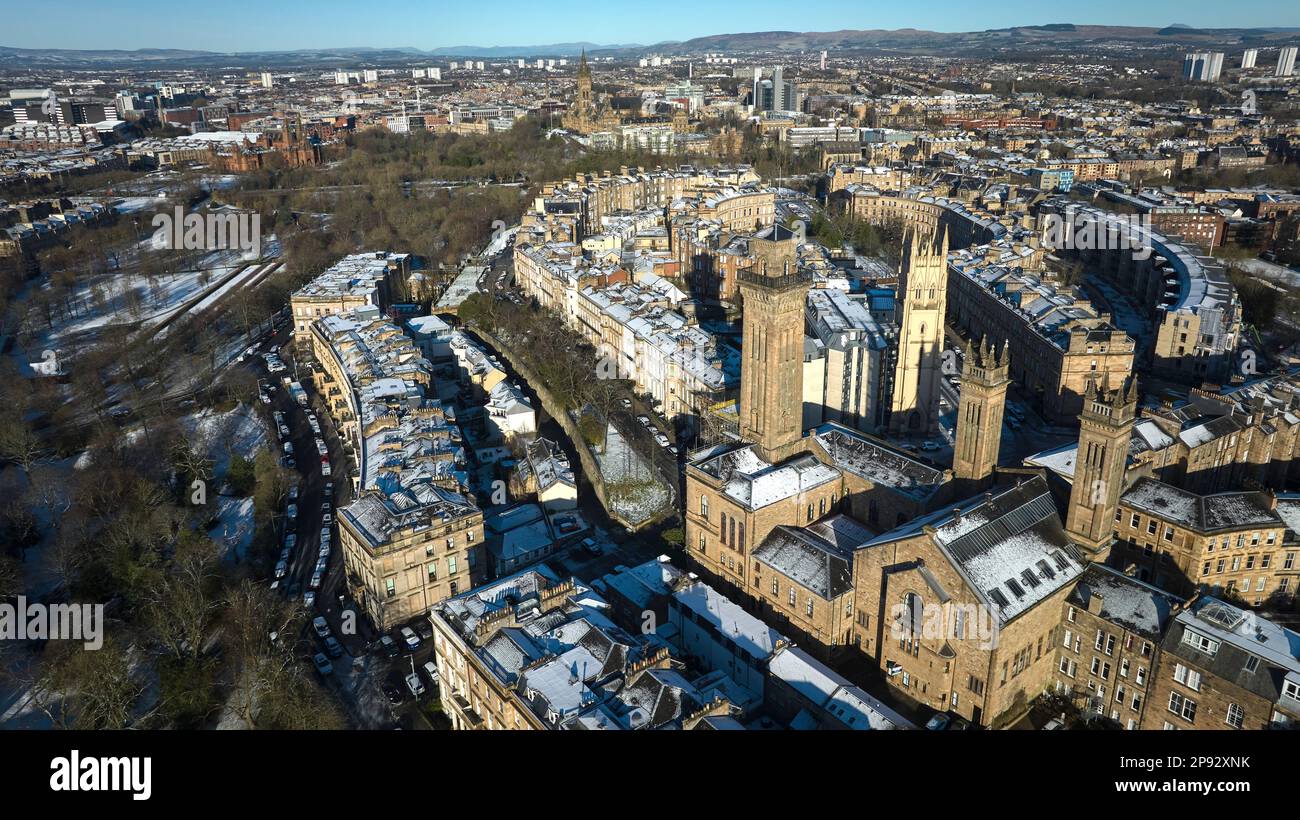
322, 664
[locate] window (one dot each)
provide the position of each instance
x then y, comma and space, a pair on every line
776, 587
1067, 667
792, 596
1291, 689
1169, 533
1199, 641
722, 527
975, 684
809, 608
1123, 668
1236, 716
1068, 637
433, 572
704, 507
1070, 615
1141, 676
390, 587
1187, 677
1151, 527
451, 565
1110, 644
1183, 707
702, 543
1289, 561
1252, 663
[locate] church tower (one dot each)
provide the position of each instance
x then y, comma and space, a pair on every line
1105, 426
984, 382
922, 300
771, 368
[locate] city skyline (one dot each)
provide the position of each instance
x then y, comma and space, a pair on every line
390, 24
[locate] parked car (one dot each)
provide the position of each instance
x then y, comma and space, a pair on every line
288, 463
412, 640
291, 541
393, 694
315, 581
265, 399
309, 598
626, 404
414, 685
644, 420
281, 568
321, 626
929, 446
424, 629
322, 663
293, 493
292, 512
333, 647
431, 672
324, 552
322, 565
938, 723
662, 440
389, 645
329, 489
672, 448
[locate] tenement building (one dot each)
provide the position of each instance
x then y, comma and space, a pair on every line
1224, 668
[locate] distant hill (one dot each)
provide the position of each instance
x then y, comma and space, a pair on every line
1062, 37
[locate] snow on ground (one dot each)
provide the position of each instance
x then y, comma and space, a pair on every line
220, 435
637, 492
1279, 274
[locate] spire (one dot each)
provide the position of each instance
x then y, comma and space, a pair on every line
1132, 390
1104, 390
1005, 359
1091, 392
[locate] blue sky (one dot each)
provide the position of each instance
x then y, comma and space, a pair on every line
261, 25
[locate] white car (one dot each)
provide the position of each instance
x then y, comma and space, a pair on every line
281, 568
321, 626
430, 671
414, 685
929, 445
315, 581
662, 440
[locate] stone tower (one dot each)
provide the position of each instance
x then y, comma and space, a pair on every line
1105, 426
771, 368
984, 383
581, 116
922, 300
